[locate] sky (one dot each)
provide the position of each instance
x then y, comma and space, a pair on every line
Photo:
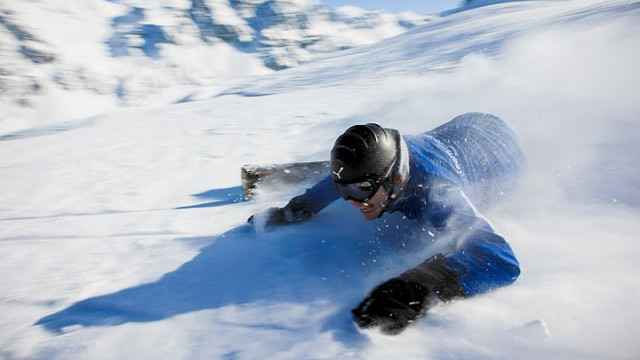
417, 6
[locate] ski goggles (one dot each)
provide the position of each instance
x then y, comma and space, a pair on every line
361, 191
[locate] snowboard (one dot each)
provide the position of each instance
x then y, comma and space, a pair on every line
275, 177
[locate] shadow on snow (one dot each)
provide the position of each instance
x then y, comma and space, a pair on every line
319, 262
225, 196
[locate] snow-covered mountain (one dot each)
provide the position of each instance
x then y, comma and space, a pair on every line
124, 235
131, 52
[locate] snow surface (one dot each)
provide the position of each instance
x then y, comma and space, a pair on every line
123, 235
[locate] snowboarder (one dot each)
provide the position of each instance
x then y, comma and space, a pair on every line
437, 178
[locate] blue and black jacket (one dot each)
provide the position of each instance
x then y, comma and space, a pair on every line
470, 161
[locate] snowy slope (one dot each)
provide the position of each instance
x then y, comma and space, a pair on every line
123, 234
61, 60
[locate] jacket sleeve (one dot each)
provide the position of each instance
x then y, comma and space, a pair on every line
321, 195
481, 259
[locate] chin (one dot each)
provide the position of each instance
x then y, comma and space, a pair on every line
371, 215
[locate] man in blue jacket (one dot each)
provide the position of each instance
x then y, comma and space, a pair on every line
437, 178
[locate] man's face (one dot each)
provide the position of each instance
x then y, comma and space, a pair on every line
371, 209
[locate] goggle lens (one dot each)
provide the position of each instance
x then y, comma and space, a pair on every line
359, 191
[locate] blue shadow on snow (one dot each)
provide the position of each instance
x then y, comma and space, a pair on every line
333, 259
225, 196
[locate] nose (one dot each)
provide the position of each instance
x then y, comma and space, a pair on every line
355, 203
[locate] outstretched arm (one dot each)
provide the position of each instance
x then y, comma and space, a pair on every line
479, 261
301, 207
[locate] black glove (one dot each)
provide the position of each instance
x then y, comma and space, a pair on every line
398, 302
392, 306
297, 210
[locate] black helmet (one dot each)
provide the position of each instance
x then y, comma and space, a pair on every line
364, 152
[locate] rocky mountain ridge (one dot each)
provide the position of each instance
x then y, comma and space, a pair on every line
89, 50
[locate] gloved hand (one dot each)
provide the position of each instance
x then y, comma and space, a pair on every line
398, 302
297, 210
392, 306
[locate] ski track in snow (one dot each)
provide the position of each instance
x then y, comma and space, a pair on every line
124, 235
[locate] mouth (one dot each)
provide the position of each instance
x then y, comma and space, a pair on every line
366, 208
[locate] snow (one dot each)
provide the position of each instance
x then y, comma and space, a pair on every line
138, 53
123, 235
